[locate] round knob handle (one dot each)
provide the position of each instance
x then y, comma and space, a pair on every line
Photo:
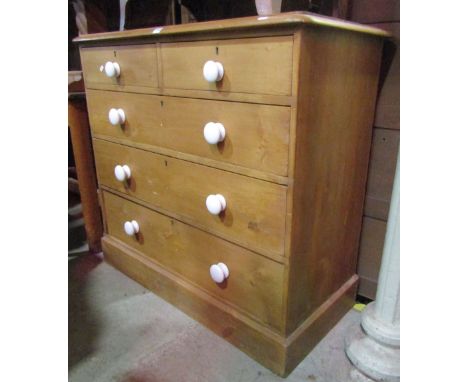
116, 116
122, 172
214, 132
131, 228
213, 71
111, 69
219, 272
215, 204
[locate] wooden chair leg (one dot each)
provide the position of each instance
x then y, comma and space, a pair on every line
87, 183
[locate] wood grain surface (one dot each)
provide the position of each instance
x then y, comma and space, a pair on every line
229, 27
336, 93
255, 212
257, 65
138, 66
254, 283
257, 136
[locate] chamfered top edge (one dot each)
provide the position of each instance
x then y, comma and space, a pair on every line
251, 22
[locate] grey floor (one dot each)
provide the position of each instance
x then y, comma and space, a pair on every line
120, 331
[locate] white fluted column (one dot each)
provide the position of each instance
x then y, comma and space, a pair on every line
374, 348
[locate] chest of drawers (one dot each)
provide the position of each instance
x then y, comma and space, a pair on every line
232, 158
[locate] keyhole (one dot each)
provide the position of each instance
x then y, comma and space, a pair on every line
162, 103
217, 50
115, 53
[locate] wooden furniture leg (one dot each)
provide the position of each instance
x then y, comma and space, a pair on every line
87, 184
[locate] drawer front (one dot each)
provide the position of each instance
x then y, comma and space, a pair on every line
255, 209
257, 136
251, 65
254, 283
137, 63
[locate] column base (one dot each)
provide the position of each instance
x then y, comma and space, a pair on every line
381, 331
376, 359
357, 376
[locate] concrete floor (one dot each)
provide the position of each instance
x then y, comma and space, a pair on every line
120, 331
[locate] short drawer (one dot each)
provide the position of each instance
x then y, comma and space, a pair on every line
251, 65
256, 136
254, 282
137, 65
255, 210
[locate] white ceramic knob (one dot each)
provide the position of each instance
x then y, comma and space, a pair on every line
131, 228
122, 173
214, 132
213, 71
116, 116
215, 204
219, 272
111, 69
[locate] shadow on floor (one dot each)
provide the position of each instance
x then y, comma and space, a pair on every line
83, 325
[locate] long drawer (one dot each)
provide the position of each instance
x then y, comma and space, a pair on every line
257, 136
137, 63
252, 65
255, 213
254, 283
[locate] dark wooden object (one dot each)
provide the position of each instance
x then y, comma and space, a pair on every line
84, 160
382, 14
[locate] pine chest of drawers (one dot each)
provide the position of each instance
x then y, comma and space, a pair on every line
232, 158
